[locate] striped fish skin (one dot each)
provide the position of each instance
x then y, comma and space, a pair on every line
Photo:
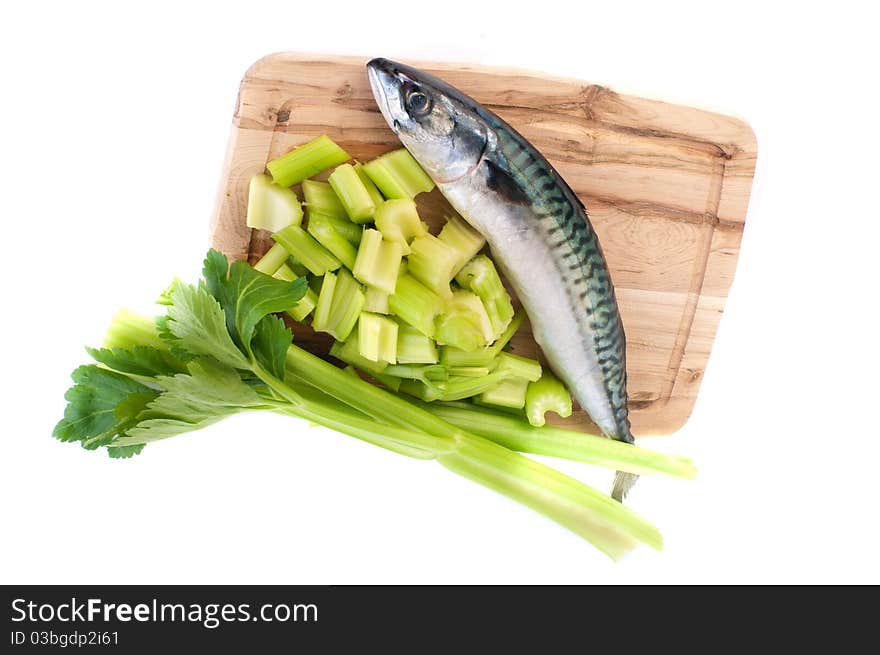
537, 229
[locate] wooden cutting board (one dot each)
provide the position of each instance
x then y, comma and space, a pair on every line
666, 186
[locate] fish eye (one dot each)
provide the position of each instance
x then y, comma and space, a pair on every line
418, 103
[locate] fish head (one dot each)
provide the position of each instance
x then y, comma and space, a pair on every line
438, 124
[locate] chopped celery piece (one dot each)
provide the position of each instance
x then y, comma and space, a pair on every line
369, 185
325, 234
519, 367
304, 307
413, 347
306, 160
321, 319
398, 175
547, 395
398, 221
480, 276
469, 371
378, 261
509, 393
351, 232
348, 353
415, 304
376, 301
464, 239
377, 338
322, 199
285, 273
272, 260
464, 323
456, 357
352, 193
458, 388
433, 263
271, 207
307, 251
420, 390
339, 308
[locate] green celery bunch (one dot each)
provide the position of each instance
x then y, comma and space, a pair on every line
220, 349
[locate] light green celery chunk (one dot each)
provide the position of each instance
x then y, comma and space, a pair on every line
459, 388
325, 234
464, 239
352, 193
346, 305
377, 338
351, 232
369, 185
378, 261
304, 306
398, 175
322, 199
433, 263
413, 347
456, 357
305, 161
398, 221
376, 301
271, 207
463, 323
547, 394
415, 304
480, 276
306, 250
427, 373
509, 393
272, 260
285, 273
517, 366
321, 319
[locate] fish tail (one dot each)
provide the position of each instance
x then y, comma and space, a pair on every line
623, 482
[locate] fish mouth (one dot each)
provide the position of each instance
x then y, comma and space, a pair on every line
381, 76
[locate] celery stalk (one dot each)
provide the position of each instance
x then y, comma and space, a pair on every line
413, 347
346, 305
376, 301
464, 239
348, 352
306, 160
517, 366
480, 276
369, 185
321, 319
460, 388
304, 307
546, 394
509, 393
271, 207
352, 193
398, 175
415, 304
274, 258
398, 221
378, 261
469, 371
420, 390
307, 250
322, 199
325, 234
377, 338
456, 357
433, 263
351, 232
514, 433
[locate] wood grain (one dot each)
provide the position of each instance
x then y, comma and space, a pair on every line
666, 186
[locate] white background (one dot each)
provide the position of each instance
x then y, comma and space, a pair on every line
113, 128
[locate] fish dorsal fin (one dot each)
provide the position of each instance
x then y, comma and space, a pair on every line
501, 182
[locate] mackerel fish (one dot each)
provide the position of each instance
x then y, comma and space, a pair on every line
536, 227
